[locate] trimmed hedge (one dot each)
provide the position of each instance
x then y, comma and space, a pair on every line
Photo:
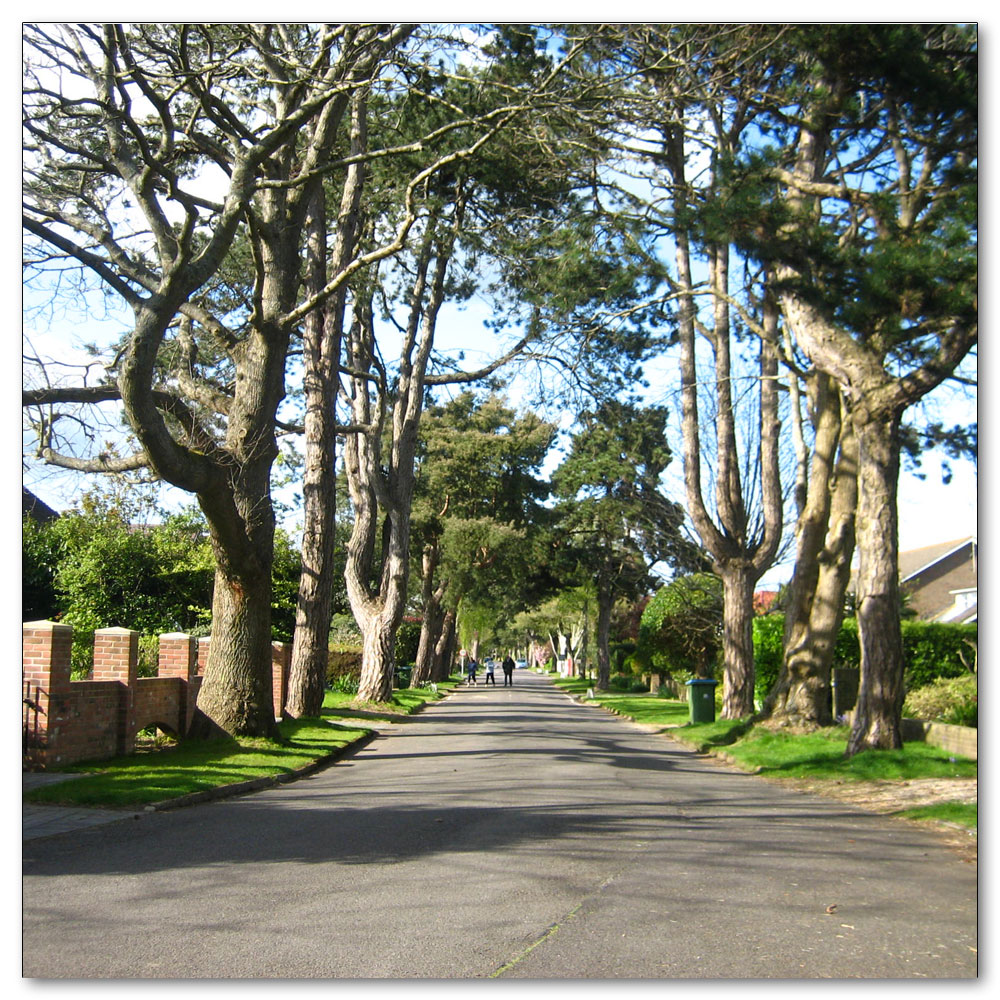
930, 650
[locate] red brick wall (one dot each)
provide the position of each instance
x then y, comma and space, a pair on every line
71, 721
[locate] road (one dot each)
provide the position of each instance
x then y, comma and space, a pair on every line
506, 832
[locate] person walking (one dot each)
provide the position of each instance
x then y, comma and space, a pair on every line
471, 671
508, 672
490, 666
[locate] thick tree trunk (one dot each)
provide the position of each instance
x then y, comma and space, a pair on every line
822, 570
236, 693
378, 661
880, 696
737, 625
321, 350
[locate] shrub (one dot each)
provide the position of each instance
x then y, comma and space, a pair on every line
638, 687
768, 652
619, 682
343, 662
954, 700
930, 650
346, 684
681, 627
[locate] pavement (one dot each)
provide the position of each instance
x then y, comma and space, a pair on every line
48, 821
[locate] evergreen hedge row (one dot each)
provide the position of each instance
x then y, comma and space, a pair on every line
930, 650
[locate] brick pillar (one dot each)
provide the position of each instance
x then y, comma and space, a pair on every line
203, 644
116, 658
281, 659
178, 655
116, 655
46, 649
179, 658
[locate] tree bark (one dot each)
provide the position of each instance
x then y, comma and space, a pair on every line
824, 549
738, 581
605, 600
322, 340
444, 648
432, 621
236, 695
877, 716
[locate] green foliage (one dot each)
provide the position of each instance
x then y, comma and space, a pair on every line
41, 553
936, 649
681, 627
931, 650
768, 652
954, 700
115, 560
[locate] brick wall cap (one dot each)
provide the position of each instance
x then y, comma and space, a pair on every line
176, 635
115, 630
45, 624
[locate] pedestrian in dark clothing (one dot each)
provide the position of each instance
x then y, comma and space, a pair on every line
508, 671
490, 679
471, 671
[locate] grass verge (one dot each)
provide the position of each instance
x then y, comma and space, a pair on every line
404, 702
964, 814
196, 766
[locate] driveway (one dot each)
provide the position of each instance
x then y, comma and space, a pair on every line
505, 832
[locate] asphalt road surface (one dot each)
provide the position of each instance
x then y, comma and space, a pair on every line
505, 832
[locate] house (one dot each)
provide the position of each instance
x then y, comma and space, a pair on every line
942, 580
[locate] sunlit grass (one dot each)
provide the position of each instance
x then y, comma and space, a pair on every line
960, 813
404, 702
819, 755
196, 766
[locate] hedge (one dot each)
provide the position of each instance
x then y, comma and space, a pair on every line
930, 650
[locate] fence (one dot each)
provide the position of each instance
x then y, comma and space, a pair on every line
66, 721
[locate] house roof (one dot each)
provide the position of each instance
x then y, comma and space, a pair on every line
917, 560
37, 509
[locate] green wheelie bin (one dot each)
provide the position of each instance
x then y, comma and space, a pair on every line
701, 698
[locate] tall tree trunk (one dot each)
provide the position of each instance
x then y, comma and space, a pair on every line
605, 600
378, 659
432, 620
324, 328
822, 568
321, 351
236, 695
880, 695
444, 648
737, 627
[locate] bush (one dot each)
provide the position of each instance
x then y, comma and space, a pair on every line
768, 652
343, 662
346, 684
638, 687
954, 700
620, 682
931, 650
